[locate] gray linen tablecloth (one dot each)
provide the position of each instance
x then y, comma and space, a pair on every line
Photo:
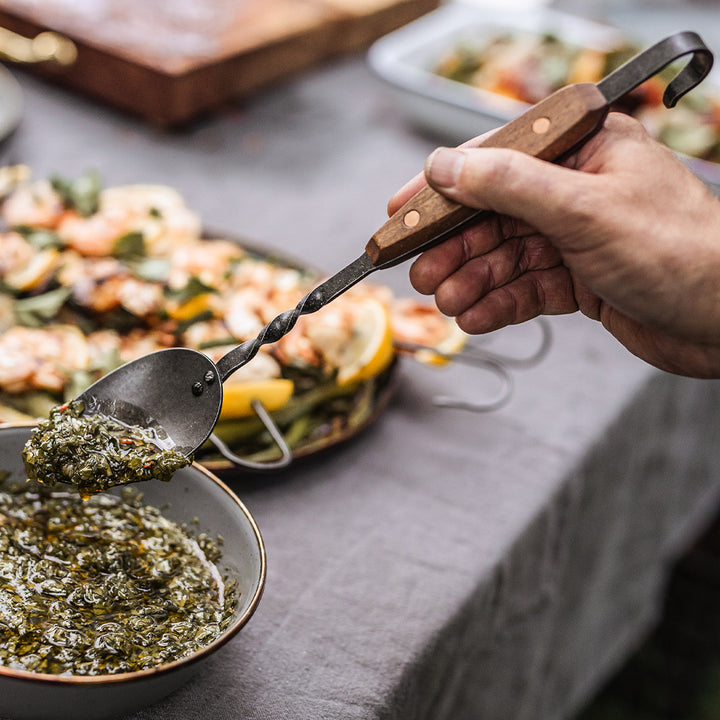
443, 564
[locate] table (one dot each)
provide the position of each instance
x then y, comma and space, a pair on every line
444, 564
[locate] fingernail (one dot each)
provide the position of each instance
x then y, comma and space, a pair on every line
444, 167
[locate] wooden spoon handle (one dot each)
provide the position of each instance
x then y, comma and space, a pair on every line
547, 130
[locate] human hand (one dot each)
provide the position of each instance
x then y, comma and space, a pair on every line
622, 231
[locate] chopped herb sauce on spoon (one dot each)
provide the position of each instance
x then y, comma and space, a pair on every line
95, 452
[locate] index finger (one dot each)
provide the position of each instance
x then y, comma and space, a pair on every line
410, 188
417, 183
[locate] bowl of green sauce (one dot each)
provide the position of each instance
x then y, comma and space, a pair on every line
111, 602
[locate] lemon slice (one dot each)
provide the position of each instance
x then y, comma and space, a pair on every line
190, 308
370, 348
273, 393
36, 271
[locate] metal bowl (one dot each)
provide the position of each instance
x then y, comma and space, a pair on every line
193, 493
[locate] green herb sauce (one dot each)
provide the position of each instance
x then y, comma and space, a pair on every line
95, 452
103, 586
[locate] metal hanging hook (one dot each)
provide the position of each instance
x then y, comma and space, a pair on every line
657, 57
478, 406
285, 453
498, 364
473, 353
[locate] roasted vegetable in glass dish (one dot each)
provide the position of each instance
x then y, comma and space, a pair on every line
103, 586
527, 67
93, 277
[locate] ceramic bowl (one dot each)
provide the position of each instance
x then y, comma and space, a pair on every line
193, 493
454, 111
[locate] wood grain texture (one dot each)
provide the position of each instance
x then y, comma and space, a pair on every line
566, 118
170, 62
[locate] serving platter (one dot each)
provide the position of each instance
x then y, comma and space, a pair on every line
406, 59
340, 420
321, 410
454, 111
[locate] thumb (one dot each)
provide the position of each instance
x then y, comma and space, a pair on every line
508, 182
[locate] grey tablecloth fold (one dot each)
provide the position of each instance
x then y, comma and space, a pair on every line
454, 566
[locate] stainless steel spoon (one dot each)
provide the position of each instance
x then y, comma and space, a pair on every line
180, 390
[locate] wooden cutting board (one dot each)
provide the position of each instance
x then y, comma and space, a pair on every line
172, 61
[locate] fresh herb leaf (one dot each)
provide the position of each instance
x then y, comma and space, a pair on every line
194, 287
81, 194
80, 380
8, 290
130, 246
152, 269
37, 310
40, 238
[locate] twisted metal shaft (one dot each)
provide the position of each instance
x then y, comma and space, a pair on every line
285, 322
277, 328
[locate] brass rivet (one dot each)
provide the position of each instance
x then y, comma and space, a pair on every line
541, 125
411, 218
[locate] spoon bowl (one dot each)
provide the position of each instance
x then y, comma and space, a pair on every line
177, 391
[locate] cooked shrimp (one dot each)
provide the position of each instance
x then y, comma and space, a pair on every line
94, 235
205, 332
104, 348
296, 345
157, 212
75, 267
209, 261
140, 342
16, 366
243, 314
265, 276
92, 280
138, 297
41, 358
419, 323
267, 280
15, 253
264, 290
330, 330
35, 204
103, 284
